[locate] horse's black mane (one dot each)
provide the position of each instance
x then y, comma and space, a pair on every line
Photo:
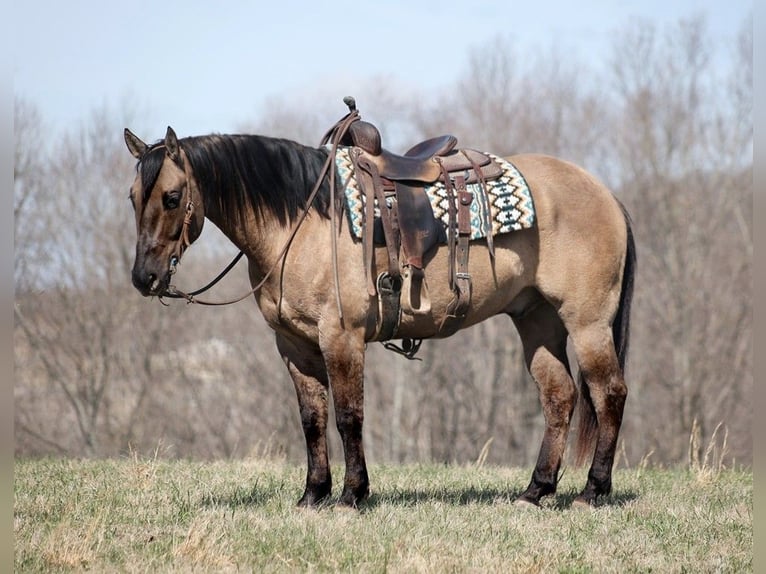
237, 172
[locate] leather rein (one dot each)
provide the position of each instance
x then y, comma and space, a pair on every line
334, 136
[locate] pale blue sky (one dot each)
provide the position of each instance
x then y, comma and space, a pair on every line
211, 66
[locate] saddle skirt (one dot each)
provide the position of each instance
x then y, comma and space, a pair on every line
508, 200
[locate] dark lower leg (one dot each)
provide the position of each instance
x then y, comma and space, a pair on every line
356, 484
542, 484
558, 407
545, 353
346, 369
609, 414
307, 370
608, 392
318, 478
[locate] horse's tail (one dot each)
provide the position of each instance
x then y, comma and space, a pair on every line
588, 425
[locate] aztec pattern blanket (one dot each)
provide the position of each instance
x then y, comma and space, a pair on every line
509, 201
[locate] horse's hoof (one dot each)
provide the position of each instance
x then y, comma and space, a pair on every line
310, 502
352, 498
350, 503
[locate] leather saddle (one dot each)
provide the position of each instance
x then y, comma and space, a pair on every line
425, 162
409, 222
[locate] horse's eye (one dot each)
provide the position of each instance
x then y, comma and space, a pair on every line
171, 199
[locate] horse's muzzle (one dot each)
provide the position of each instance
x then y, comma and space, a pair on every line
149, 283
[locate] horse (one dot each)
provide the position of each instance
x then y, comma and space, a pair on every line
569, 277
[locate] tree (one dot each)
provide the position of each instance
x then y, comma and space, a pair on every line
686, 179
70, 315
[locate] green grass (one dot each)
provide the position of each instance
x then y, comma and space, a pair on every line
176, 516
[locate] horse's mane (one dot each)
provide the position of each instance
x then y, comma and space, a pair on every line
237, 172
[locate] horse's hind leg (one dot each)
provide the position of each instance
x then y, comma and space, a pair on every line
544, 339
307, 369
604, 391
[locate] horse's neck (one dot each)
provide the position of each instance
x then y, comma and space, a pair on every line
259, 238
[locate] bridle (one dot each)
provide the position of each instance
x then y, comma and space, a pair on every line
334, 136
183, 240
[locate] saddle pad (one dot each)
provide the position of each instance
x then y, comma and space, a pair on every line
508, 200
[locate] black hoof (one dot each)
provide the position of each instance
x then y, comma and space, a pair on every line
534, 492
352, 498
594, 489
313, 499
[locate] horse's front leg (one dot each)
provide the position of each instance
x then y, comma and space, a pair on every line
344, 357
307, 369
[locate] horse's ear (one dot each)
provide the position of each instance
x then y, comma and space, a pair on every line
136, 147
171, 145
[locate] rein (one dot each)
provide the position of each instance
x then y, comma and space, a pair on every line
334, 135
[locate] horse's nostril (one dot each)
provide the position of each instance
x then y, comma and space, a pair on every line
143, 281
153, 283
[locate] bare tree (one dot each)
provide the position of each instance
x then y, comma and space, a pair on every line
29, 174
694, 295
70, 316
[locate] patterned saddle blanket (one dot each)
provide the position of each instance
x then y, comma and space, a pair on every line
508, 200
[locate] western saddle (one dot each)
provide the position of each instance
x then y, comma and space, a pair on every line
407, 219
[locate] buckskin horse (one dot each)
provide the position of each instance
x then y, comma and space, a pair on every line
570, 275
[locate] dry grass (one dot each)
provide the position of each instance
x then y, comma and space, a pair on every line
708, 464
152, 515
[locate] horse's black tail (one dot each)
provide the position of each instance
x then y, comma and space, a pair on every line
621, 325
588, 425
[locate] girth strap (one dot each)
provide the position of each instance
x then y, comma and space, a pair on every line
389, 306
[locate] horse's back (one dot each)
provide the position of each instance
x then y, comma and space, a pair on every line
567, 197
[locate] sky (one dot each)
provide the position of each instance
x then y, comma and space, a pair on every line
214, 66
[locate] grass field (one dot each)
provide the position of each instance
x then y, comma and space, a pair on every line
140, 515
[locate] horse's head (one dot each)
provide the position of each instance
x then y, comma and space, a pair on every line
168, 207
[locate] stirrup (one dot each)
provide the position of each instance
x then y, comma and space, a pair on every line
415, 292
